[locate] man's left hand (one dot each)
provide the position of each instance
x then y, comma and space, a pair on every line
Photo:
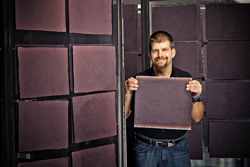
195, 87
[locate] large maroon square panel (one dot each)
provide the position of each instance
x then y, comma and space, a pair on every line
228, 60
90, 17
60, 162
43, 125
179, 21
94, 68
186, 58
103, 156
194, 139
45, 15
94, 116
162, 102
229, 139
227, 21
43, 71
228, 100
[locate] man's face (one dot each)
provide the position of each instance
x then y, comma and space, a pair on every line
161, 54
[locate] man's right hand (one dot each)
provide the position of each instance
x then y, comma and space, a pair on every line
131, 84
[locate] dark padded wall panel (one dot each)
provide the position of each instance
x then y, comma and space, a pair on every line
161, 94
103, 156
228, 60
195, 142
228, 100
43, 15
94, 116
131, 59
90, 17
61, 162
179, 21
43, 71
186, 58
130, 28
43, 125
229, 139
227, 22
94, 68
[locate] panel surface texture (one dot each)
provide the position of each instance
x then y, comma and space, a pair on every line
95, 157
61, 162
227, 21
94, 116
195, 142
131, 64
228, 60
45, 15
162, 103
90, 17
186, 58
229, 139
43, 125
228, 100
94, 68
43, 71
179, 21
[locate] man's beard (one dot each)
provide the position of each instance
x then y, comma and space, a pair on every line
160, 65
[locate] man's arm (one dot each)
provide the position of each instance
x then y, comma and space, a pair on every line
197, 108
131, 85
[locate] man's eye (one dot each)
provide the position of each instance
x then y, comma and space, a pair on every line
164, 50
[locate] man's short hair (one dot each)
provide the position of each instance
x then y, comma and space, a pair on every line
160, 36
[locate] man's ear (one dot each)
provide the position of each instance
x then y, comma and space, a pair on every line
149, 54
173, 52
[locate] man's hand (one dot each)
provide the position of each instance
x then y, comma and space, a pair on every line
131, 84
195, 87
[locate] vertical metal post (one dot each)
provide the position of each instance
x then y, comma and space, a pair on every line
145, 33
8, 108
121, 92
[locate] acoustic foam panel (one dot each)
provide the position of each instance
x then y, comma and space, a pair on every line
195, 142
43, 71
229, 139
227, 21
186, 58
179, 21
44, 15
43, 125
60, 162
130, 28
228, 60
228, 100
162, 102
94, 116
90, 17
130, 59
95, 157
94, 68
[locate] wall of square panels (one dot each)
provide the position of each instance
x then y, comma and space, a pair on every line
66, 82
212, 43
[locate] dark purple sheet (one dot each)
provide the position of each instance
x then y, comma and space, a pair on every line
194, 139
60, 162
162, 103
94, 68
94, 116
43, 125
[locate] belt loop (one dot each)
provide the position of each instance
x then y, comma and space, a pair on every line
150, 141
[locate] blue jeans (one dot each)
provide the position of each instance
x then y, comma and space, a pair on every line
148, 155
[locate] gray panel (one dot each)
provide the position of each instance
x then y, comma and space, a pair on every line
228, 21
229, 139
228, 100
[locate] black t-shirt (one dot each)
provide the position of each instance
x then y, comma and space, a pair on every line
160, 133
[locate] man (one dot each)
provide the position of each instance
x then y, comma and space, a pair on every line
151, 148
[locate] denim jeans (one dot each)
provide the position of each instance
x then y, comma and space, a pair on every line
148, 155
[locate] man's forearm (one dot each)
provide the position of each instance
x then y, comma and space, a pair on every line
128, 98
197, 111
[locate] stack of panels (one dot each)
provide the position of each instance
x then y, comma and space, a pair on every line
227, 56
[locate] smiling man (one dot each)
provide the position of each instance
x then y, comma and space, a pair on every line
162, 147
